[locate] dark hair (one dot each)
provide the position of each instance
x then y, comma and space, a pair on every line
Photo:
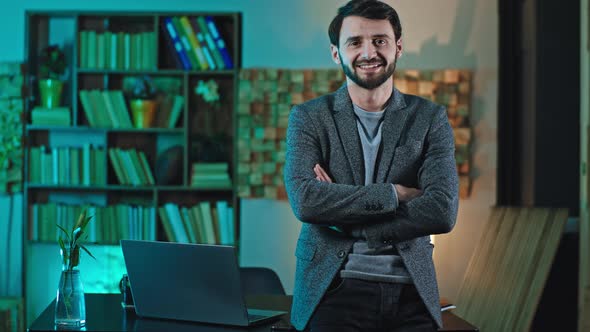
371, 9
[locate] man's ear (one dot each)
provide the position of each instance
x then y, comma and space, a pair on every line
399, 47
334, 51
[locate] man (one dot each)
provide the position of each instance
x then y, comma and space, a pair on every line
371, 174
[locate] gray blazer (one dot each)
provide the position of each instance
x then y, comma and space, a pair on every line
417, 150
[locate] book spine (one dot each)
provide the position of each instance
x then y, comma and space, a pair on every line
200, 36
209, 39
219, 42
192, 38
178, 48
188, 50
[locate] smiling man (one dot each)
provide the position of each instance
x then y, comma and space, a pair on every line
370, 173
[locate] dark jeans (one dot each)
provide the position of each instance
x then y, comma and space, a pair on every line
358, 305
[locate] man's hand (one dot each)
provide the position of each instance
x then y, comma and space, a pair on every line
321, 175
405, 194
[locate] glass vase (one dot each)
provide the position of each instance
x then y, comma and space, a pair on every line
70, 306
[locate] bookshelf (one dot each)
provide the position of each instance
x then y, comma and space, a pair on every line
130, 176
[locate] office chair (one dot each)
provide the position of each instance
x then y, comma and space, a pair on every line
260, 280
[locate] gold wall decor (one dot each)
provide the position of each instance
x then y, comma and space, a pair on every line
266, 97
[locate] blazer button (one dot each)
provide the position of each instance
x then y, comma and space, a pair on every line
341, 254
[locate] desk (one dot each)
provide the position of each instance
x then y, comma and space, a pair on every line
104, 313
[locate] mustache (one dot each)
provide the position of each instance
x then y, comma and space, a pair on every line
369, 62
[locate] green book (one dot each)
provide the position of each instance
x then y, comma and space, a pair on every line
185, 43
59, 116
83, 49
209, 40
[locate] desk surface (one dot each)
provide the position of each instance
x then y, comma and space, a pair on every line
104, 313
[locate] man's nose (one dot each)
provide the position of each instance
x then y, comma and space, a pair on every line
368, 51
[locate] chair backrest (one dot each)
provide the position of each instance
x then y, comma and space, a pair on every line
260, 280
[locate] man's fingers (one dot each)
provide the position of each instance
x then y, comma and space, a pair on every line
323, 173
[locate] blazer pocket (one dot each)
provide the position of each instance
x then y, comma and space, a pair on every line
305, 250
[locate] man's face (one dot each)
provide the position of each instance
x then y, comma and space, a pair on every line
368, 51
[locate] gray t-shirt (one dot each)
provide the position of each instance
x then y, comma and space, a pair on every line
380, 264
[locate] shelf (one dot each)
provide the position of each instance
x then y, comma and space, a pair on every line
61, 187
85, 71
111, 130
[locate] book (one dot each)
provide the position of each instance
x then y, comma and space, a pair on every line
200, 36
207, 219
219, 42
174, 40
166, 225
177, 225
223, 222
87, 107
208, 35
195, 45
59, 116
188, 49
83, 50
176, 110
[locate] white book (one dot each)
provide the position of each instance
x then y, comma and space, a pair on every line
223, 222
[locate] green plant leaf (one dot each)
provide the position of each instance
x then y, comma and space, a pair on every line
65, 232
87, 251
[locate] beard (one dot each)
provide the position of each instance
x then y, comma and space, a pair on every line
369, 83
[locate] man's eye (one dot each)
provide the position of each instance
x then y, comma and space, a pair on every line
354, 43
380, 41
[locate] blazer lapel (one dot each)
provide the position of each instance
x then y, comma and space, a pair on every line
393, 124
348, 132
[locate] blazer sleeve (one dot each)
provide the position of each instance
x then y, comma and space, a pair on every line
435, 211
325, 203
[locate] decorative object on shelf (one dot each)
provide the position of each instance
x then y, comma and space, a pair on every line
11, 108
142, 100
52, 69
266, 97
70, 307
169, 166
208, 91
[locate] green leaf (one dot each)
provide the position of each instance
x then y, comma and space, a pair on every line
63, 230
61, 244
87, 251
85, 222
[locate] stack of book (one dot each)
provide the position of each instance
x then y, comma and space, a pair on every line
67, 165
58, 116
109, 224
131, 167
206, 222
117, 50
196, 43
210, 175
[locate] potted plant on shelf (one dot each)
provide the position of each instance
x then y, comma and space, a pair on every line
208, 91
141, 92
70, 307
52, 68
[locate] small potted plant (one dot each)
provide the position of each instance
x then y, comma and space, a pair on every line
142, 94
52, 69
70, 307
208, 91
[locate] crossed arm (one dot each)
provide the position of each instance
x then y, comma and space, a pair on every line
432, 209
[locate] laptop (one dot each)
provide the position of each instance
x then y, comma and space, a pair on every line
189, 282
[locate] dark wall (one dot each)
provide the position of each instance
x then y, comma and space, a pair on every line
558, 105
554, 121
